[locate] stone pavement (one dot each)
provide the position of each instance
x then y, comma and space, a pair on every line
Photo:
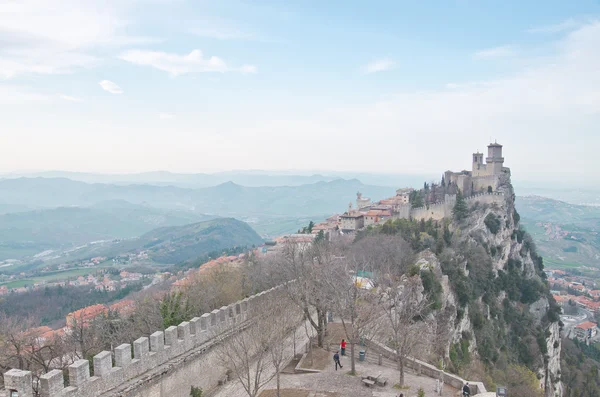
339, 382
345, 385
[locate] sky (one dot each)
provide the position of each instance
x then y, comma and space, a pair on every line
120, 86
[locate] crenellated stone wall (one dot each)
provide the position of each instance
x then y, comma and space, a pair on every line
443, 209
135, 369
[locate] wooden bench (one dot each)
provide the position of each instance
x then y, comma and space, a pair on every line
368, 382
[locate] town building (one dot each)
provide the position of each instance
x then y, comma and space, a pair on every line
403, 194
374, 216
352, 221
362, 202
586, 330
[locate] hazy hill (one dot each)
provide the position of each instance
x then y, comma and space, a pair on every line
228, 199
165, 178
28, 233
251, 178
566, 234
180, 243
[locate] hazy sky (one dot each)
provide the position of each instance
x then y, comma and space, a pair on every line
383, 86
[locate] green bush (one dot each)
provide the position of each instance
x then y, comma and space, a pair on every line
196, 392
492, 222
432, 288
421, 392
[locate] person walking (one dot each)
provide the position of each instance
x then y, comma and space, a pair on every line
466, 390
336, 360
343, 347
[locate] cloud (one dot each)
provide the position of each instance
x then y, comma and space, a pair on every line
248, 69
57, 37
166, 116
70, 98
496, 52
111, 87
567, 25
175, 64
550, 109
380, 65
14, 95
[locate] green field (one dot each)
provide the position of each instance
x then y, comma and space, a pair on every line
54, 276
550, 262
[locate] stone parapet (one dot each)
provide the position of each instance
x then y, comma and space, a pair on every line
427, 369
131, 362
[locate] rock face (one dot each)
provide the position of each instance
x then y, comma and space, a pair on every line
499, 265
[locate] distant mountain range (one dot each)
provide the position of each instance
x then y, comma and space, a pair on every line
227, 199
28, 233
56, 213
566, 234
244, 178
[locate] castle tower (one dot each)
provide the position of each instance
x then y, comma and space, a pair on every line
478, 165
494, 160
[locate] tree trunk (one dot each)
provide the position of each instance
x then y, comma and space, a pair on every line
352, 358
320, 328
278, 383
401, 370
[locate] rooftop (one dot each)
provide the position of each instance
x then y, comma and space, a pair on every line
587, 325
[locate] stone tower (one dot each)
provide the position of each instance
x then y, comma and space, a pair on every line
479, 167
494, 160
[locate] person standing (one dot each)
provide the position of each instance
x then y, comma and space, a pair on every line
466, 390
336, 360
343, 347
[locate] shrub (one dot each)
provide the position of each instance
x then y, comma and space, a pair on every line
421, 392
196, 392
492, 222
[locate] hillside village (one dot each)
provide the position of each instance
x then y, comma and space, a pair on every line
484, 184
481, 183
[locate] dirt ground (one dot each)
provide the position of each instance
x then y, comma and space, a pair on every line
335, 334
319, 358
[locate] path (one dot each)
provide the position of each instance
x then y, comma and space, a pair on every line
345, 385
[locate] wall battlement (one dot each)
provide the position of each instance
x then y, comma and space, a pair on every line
133, 360
443, 209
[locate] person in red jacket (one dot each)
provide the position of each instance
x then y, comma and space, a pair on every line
343, 347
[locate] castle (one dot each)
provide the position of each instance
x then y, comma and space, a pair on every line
483, 177
481, 184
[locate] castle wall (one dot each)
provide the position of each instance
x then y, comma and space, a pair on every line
434, 211
439, 211
482, 182
486, 198
480, 169
166, 363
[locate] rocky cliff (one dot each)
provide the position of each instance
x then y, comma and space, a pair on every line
495, 306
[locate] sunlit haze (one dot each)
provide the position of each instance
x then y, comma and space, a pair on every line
388, 86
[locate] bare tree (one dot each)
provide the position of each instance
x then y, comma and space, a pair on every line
285, 319
82, 336
307, 290
404, 306
354, 302
246, 353
28, 348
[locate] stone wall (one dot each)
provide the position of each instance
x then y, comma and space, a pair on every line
443, 209
422, 368
482, 183
144, 368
